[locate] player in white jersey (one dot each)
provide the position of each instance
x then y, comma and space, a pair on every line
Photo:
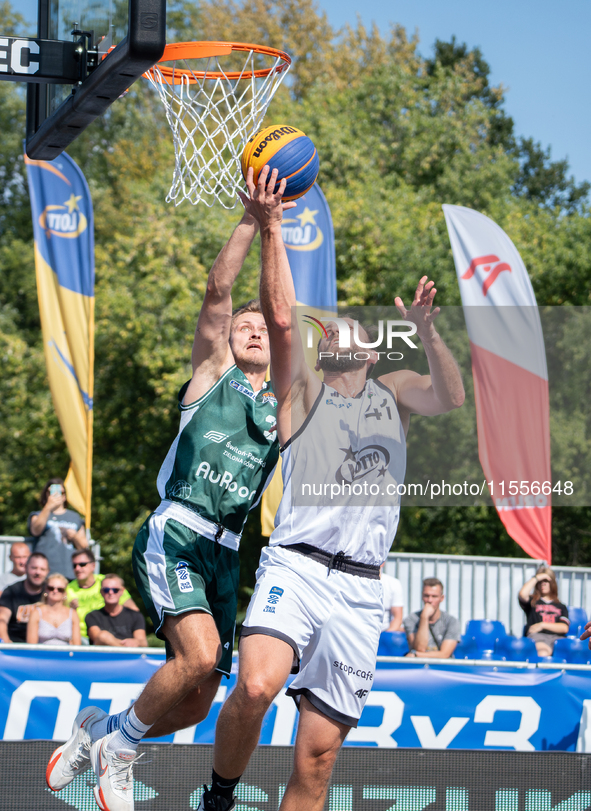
318, 599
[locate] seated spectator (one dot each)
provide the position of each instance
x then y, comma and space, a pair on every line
547, 618
84, 593
113, 624
432, 632
57, 530
17, 600
51, 621
19, 555
393, 601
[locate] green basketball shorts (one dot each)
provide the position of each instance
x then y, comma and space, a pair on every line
177, 570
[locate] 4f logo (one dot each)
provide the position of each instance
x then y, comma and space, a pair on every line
361, 693
491, 265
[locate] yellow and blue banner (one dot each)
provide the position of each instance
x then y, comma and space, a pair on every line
308, 236
64, 263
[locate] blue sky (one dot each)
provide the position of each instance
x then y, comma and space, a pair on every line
538, 49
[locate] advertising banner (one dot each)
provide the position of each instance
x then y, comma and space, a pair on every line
435, 706
510, 373
363, 779
64, 262
308, 236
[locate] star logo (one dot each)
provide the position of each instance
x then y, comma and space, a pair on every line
349, 454
72, 203
306, 217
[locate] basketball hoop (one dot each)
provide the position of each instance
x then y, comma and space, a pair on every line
216, 95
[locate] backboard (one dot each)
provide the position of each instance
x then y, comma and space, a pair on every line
116, 41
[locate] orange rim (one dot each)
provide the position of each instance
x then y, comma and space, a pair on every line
205, 50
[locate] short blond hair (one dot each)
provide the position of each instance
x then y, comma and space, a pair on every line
252, 306
53, 576
114, 577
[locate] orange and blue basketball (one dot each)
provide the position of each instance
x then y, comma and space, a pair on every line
286, 149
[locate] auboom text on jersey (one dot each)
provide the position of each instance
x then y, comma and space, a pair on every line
222, 480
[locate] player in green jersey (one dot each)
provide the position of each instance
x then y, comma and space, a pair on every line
186, 554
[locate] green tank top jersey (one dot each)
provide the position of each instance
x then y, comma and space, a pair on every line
225, 451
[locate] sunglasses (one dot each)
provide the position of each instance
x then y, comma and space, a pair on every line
61, 589
81, 565
108, 590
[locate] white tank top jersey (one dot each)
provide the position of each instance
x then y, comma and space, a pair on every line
340, 474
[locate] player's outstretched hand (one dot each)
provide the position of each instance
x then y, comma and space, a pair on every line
420, 312
263, 202
587, 634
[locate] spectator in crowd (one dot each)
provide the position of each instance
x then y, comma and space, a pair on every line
113, 624
393, 601
19, 555
17, 600
432, 633
51, 621
57, 529
547, 618
84, 593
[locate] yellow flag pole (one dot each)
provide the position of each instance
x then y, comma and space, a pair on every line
90, 416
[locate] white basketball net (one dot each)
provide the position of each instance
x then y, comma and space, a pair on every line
211, 119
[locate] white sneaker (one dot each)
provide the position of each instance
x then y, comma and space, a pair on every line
72, 758
114, 775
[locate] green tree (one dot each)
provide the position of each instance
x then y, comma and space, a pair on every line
397, 136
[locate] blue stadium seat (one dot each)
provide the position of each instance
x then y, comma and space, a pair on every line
578, 619
516, 649
467, 649
571, 651
393, 643
485, 632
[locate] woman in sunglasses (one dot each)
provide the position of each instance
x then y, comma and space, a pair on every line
52, 622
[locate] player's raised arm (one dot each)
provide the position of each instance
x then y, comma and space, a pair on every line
211, 354
289, 372
442, 390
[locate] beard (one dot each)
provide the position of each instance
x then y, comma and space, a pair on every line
341, 362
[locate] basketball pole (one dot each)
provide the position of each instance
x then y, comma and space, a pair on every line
90, 415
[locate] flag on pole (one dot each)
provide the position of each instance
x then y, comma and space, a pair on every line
64, 263
308, 236
510, 376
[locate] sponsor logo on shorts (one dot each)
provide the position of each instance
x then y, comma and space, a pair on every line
361, 693
351, 670
215, 436
182, 576
269, 609
242, 389
274, 595
226, 646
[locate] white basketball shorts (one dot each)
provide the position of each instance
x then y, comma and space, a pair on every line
331, 619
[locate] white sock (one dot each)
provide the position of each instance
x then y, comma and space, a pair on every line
129, 733
107, 724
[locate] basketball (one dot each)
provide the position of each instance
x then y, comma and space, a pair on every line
286, 149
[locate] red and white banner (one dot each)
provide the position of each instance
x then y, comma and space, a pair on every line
510, 376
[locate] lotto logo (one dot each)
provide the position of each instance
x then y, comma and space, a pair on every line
274, 595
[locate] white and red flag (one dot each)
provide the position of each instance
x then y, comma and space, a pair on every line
510, 376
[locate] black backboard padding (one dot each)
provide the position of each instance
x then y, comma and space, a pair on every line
142, 47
